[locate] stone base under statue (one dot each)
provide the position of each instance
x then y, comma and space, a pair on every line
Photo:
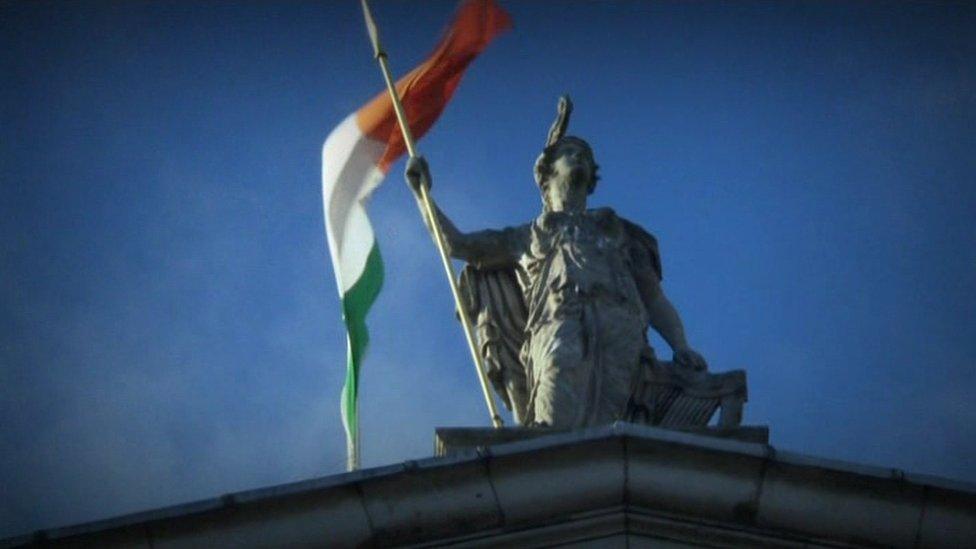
450, 440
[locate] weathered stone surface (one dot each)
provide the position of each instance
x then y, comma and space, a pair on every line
450, 440
297, 522
605, 485
948, 520
853, 504
562, 306
676, 477
426, 503
550, 485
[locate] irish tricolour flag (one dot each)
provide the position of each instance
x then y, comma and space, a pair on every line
355, 159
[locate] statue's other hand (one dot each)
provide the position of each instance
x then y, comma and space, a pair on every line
689, 358
417, 174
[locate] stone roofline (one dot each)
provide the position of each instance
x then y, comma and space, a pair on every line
620, 478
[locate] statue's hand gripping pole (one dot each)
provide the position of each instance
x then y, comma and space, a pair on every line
428, 209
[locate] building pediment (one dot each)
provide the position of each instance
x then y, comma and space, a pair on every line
619, 484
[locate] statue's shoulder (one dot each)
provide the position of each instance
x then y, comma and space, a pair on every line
636, 231
643, 246
633, 229
603, 213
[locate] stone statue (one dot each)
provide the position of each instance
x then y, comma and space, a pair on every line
562, 305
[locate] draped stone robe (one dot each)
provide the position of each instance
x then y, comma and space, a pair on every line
561, 317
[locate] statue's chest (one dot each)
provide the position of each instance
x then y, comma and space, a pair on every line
583, 240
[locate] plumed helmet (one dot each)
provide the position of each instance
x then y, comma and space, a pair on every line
557, 135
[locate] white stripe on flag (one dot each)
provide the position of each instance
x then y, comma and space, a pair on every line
349, 175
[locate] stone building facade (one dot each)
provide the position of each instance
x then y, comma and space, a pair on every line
620, 485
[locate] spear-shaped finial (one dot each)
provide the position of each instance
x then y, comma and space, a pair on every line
374, 35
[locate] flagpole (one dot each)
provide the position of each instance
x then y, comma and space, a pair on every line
428, 209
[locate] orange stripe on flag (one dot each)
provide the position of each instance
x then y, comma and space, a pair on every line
426, 90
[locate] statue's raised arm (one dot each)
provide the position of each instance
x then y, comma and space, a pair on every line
486, 249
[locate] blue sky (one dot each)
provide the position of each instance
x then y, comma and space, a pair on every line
169, 325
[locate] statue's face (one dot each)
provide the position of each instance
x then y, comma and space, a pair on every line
569, 181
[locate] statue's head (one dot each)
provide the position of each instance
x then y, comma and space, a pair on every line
566, 165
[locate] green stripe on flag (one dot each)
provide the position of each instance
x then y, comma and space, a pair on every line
355, 304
